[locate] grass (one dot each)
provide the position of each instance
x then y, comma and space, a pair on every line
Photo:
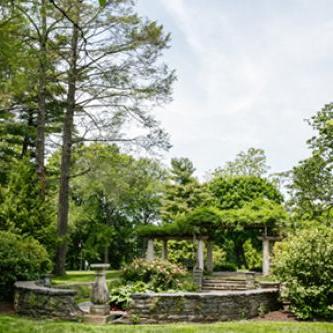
76, 277
78, 280
12, 324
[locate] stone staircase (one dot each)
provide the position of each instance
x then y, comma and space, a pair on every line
228, 281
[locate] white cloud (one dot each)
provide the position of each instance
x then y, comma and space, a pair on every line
249, 73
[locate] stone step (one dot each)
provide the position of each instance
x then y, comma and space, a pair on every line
225, 287
217, 284
224, 281
226, 278
224, 284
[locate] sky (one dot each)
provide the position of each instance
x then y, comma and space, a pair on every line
249, 73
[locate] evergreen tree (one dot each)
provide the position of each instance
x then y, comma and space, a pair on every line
183, 192
22, 210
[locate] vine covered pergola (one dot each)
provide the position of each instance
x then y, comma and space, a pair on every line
203, 224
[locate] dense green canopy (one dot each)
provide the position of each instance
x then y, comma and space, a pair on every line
206, 221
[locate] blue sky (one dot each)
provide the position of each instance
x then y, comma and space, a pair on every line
249, 73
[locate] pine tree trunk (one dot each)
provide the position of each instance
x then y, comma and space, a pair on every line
63, 200
41, 115
27, 139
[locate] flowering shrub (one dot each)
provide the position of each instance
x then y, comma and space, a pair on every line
304, 262
159, 274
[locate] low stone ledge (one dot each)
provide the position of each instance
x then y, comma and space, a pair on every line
37, 288
35, 300
203, 306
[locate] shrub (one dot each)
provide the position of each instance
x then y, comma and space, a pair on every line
181, 253
253, 256
20, 259
225, 266
305, 263
160, 274
121, 296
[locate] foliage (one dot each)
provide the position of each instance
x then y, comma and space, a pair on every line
16, 129
121, 296
23, 211
253, 162
255, 214
182, 192
114, 193
253, 256
322, 123
159, 274
305, 263
311, 186
20, 259
225, 266
182, 252
208, 221
235, 192
246, 203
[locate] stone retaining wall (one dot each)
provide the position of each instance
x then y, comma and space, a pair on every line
203, 307
35, 300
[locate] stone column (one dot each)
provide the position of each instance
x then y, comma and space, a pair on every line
99, 293
165, 249
200, 254
150, 255
210, 263
265, 256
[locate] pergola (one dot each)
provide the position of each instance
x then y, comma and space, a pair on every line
200, 264
203, 241
201, 225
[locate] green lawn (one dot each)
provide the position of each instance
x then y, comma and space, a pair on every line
11, 324
78, 280
82, 276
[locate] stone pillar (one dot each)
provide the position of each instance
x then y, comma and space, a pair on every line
200, 255
210, 263
165, 249
265, 256
150, 255
197, 277
99, 293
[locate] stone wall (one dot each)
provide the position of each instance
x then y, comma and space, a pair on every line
203, 307
35, 300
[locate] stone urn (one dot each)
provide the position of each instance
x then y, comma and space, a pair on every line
99, 293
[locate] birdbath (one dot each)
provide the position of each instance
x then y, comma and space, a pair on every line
99, 293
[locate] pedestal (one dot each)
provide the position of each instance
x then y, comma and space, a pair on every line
100, 293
